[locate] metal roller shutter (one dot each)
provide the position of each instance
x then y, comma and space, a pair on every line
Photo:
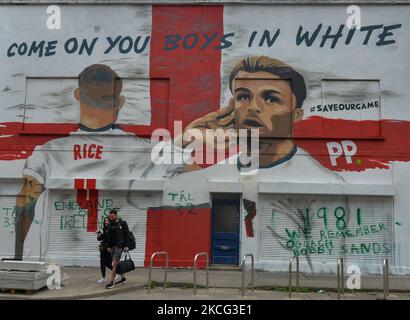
324, 227
68, 239
7, 226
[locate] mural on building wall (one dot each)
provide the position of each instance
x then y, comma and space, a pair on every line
268, 95
87, 153
250, 207
214, 67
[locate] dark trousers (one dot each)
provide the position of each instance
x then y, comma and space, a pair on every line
105, 261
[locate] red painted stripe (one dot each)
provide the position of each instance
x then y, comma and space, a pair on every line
194, 73
81, 198
194, 78
88, 199
91, 184
49, 128
16, 145
92, 211
79, 184
371, 153
318, 127
391, 142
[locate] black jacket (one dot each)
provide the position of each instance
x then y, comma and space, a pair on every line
117, 234
102, 237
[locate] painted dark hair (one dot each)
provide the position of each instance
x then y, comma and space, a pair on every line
262, 63
100, 86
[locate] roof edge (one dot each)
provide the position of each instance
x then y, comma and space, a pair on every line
210, 2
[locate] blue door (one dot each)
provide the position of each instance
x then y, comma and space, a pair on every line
225, 232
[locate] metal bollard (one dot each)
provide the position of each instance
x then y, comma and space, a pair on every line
290, 275
243, 272
385, 278
340, 277
150, 268
207, 269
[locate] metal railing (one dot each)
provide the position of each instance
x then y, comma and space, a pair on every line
243, 272
290, 275
340, 277
207, 269
150, 268
385, 278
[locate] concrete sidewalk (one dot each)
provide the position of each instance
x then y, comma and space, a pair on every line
82, 283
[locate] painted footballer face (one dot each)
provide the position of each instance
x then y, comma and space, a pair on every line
265, 102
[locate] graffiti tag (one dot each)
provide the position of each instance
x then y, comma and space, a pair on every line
183, 200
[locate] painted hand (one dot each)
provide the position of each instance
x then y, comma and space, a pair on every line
222, 123
223, 119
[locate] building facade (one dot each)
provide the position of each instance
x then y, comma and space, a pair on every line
98, 106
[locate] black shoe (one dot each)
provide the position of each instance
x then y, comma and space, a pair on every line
122, 281
110, 285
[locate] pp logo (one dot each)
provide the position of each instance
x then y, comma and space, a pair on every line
54, 280
346, 147
354, 279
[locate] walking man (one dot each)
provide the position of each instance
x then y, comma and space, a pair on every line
117, 243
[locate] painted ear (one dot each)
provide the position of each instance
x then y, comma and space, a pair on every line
117, 108
298, 114
121, 102
77, 94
